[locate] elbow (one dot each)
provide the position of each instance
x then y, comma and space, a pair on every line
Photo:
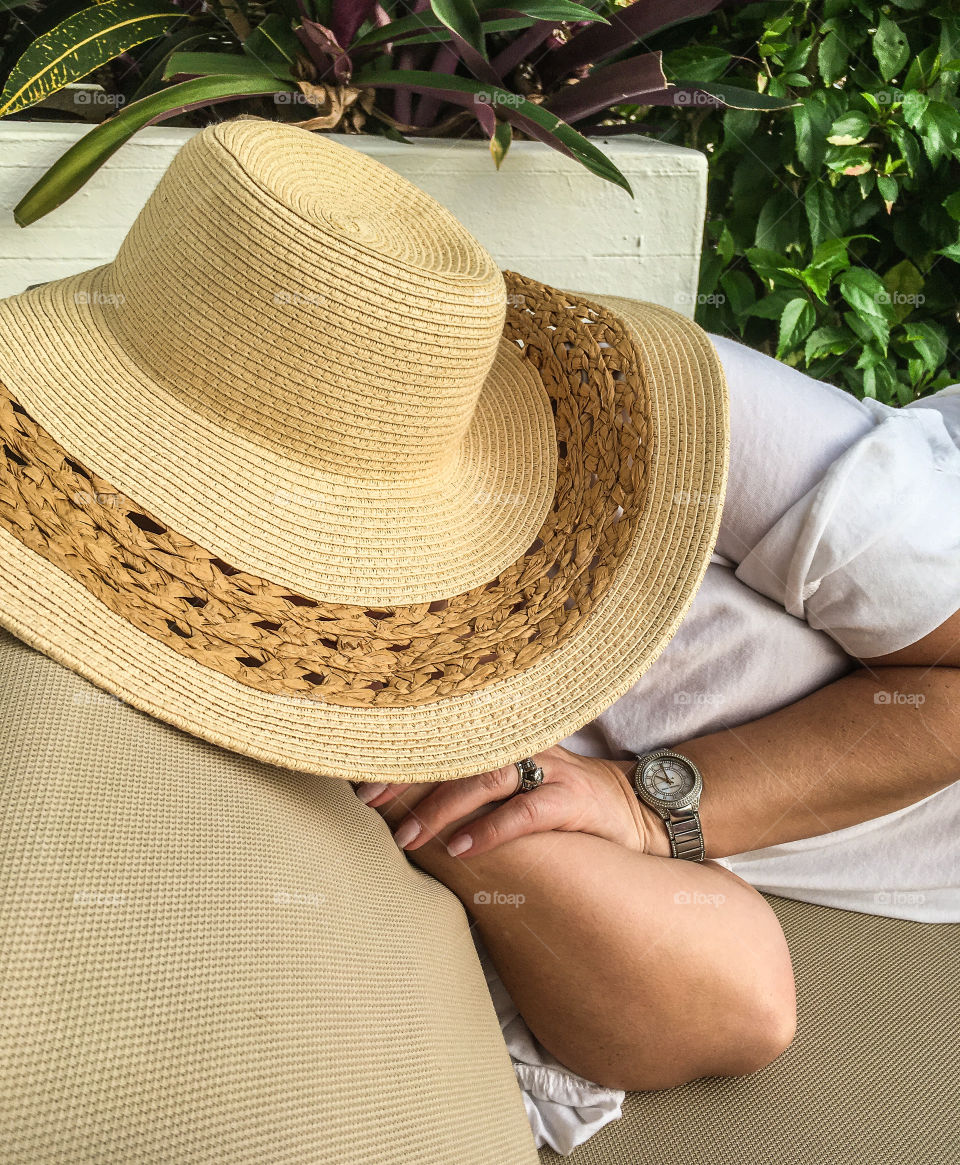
751, 1036
767, 1030
750, 1032
763, 1033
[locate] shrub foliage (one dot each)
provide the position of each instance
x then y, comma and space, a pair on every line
833, 231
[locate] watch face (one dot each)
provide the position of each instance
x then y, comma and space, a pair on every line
668, 779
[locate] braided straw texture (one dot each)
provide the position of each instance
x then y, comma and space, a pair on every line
297, 362
210, 960
605, 617
262, 635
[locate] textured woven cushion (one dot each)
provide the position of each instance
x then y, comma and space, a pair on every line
871, 1078
209, 959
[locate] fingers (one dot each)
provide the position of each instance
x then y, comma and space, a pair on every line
451, 801
438, 806
538, 811
377, 793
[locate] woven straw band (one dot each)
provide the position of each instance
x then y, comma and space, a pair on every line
264, 636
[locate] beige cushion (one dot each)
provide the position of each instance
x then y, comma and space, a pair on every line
871, 1078
210, 959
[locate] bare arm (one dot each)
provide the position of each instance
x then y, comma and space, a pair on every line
881, 738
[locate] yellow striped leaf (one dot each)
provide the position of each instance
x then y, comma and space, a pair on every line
81, 43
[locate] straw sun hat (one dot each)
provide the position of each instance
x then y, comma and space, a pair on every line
304, 473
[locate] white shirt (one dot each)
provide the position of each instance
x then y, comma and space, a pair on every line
840, 538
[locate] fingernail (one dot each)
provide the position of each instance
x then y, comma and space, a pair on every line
406, 833
459, 844
366, 793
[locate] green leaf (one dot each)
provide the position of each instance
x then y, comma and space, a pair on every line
929, 341
772, 305
778, 26
829, 258
848, 159
914, 107
739, 290
939, 130
272, 41
951, 204
812, 124
850, 129
864, 332
832, 58
888, 188
864, 292
461, 17
221, 65
890, 47
545, 10
905, 285
950, 252
820, 203
795, 324
739, 126
831, 254
697, 62
779, 223
735, 98
908, 146
421, 28
726, 247
795, 58
509, 105
78, 45
87, 155
500, 142
770, 265
922, 69
827, 341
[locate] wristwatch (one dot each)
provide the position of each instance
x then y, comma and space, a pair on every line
670, 783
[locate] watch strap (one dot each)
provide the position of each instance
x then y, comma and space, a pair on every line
685, 833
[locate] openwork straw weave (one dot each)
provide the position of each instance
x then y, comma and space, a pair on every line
264, 636
303, 473
297, 360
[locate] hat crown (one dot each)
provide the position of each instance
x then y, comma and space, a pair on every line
312, 300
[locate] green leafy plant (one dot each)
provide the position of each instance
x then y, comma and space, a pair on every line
833, 233
545, 69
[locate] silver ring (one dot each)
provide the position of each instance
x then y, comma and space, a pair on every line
531, 775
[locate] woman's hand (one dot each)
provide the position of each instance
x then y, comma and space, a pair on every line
579, 794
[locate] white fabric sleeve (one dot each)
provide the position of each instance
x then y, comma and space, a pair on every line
871, 553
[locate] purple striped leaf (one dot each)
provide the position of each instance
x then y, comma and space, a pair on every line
325, 51
628, 80
346, 17
628, 26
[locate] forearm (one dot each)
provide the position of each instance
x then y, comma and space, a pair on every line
634, 971
833, 759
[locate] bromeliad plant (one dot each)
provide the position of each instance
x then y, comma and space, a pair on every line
403, 68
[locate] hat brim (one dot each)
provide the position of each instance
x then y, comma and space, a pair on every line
258, 507
649, 589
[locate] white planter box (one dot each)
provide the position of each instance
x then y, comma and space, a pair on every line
542, 214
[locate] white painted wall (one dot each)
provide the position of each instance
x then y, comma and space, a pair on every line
542, 214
